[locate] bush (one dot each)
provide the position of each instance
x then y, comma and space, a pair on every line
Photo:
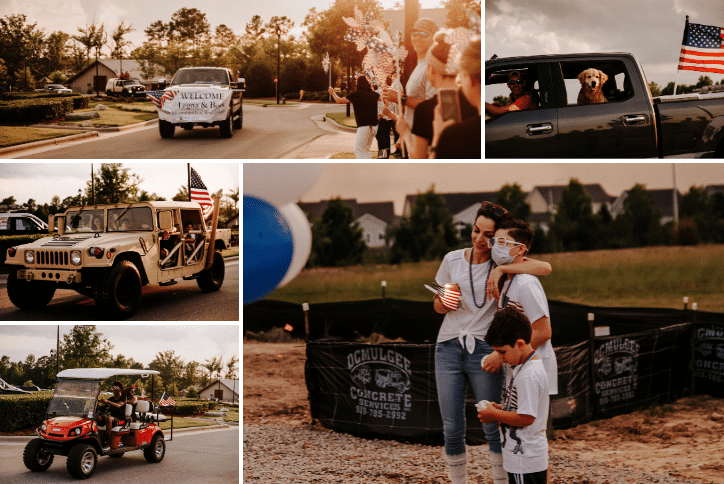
259, 80
7, 241
193, 407
35, 109
22, 411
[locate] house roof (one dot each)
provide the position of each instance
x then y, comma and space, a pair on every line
230, 384
132, 66
381, 210
457, 202
555, 192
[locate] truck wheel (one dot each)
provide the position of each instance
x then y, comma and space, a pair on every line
212, 279
165, 128
29, 294
36, 456
109, 93
226, 129
119, 289
82, 460
157, 449
239, 120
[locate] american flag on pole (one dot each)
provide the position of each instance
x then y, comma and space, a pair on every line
702, 49
166, 401
325, 62
200, 194
159, 98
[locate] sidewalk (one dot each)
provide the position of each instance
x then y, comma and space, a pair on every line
337, 139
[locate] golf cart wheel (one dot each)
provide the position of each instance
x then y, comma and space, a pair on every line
82, 460
226, 129
212, 279
119, 290
157, 449
36, 457
166, 129
29, 294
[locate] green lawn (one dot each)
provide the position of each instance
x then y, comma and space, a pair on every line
16, 135
656, 277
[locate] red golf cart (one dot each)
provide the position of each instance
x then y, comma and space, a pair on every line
70, 428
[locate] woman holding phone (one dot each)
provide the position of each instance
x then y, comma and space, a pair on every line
462, 140
460, 345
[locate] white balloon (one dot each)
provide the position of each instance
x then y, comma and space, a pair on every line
280, 183
301, 237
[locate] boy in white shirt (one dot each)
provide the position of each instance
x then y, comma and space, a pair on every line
523, 413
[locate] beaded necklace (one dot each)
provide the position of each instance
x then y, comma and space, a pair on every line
472, 286
512, 380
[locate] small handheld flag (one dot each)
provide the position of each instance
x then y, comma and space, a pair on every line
166, 401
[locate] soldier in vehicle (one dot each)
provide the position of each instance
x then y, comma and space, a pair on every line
518, 100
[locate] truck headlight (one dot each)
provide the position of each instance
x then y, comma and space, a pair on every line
75, 258
29, 256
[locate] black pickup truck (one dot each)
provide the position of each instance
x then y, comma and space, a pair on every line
631, 124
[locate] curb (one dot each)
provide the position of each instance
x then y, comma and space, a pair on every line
115, 129
47, 142
339, 126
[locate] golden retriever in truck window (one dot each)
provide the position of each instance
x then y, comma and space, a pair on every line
591, 82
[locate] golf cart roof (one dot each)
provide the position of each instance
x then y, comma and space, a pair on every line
102, 373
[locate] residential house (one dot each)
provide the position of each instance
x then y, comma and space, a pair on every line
543, 200
462, 206
225, 390
86, 80
373, 218
663, 199
710, 190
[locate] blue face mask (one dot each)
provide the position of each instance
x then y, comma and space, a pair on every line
501, 255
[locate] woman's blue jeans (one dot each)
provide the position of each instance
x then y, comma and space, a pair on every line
452, 364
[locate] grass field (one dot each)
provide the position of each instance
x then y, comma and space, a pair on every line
15, 135
657, 277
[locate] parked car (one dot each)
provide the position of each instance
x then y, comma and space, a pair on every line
200, 96
8, 389
108, 252
59, 88
125, 87
630, 124
20, 224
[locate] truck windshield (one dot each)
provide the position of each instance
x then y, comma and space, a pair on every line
75, 398
89, 220
217, 77
136, 218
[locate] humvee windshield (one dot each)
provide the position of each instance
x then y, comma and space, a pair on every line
89, 220
75, 398
136, 218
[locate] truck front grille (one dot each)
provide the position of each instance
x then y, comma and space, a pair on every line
52, 258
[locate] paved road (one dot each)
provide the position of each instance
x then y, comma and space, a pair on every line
181, 302
192, 457
268, 133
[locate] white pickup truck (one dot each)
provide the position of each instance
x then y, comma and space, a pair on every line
199, 96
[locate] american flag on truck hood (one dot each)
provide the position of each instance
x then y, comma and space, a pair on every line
159, 98
702, 49
200, 194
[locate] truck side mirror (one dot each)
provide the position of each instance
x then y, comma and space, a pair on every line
165, 220
51, 222
61, 224
162, 83
241, 83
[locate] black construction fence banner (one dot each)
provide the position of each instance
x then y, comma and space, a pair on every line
647, 357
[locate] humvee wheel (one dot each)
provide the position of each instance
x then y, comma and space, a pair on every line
120, 289
226, 128
29, 294
166, 129
212, 279
36, 457
82, 460
157, 449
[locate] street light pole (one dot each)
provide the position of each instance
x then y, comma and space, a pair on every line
279, 41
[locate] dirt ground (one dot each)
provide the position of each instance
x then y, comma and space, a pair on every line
684, 439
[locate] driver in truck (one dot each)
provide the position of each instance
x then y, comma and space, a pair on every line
518, 100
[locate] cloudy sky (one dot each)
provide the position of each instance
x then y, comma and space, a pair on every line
378, 182
650, 29
142, 343
40, 181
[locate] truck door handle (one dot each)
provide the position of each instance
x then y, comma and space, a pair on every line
533, 130
631, 119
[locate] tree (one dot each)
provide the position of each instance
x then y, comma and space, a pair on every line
259, 79
8, 201
84, 347
231, 368
655, 89
119, 45
57, 53
704, 81
339, 241
190, 24
292, 77
512, 197
20, 48
574, 225
3, 76
457, 12
639, 222
427, 234
90, 37
182, 195
213, 365
24, 80
113, 184
170, 367
57, 77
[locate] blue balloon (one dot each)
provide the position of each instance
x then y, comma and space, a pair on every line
268, 248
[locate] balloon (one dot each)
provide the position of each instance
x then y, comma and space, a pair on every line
302, 236
280, 183
268, 248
